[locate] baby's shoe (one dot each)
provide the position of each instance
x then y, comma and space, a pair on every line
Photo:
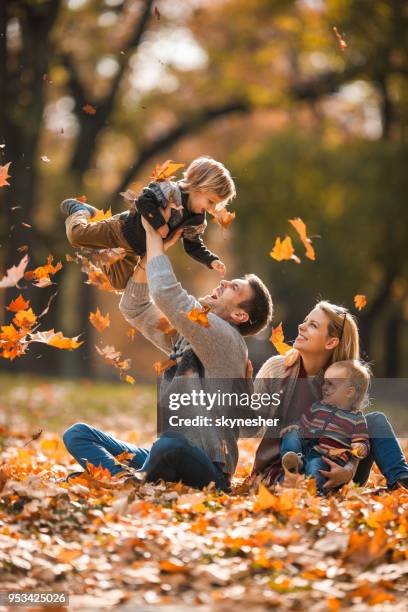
71, 206
292, 462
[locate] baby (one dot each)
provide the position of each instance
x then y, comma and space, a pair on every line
206, 186
333, 427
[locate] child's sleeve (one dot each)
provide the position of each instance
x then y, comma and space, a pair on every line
360, 435
149, 202
194, 245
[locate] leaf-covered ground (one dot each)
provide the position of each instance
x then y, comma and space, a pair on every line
112, 545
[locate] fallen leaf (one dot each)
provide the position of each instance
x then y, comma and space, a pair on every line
55, 339
300, 227
283, 250
99, 321
14, 274
277, 338
18, 304
162, 366
341, 41
4, 175
360, 301
165, 172
89, 109
199, 316
101, 215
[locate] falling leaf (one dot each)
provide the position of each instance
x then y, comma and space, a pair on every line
107, 257
45, 159
4, 175
341, 41
114, 357
44, 272
55, 339
300, 227
82, 198
99, 321
24, 224
89, 109
23, 248
14, 274
25, 318
128, 379
46, 309
125, 457
224, 218
162, 366
165, 326
34, 437
199, 316
360, 301
165, 172
157, 13
18, 304
283, 250
101, 215
277, 338
131, 333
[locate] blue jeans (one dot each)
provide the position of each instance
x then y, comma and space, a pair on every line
172, 457
312, 460
385, 451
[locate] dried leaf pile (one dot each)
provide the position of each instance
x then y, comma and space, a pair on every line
108, 542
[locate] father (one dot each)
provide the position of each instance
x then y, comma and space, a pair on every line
238, 308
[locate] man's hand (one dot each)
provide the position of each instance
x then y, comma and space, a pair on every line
219, 267
337, 475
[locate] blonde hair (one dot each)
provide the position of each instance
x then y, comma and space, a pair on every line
359, 375
342, 325
207, 174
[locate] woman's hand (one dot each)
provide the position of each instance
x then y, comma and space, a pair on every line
291, 357
172, 241
337, 475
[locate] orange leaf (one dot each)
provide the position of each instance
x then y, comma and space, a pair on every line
113, 357
99, 321
56, 339
23, 248
4, 175
44, 272
300, 227
82, 199
360, 301
264, 499
277, 338
224, 218
101, 215
14, 274
341, 41
173, 566
165, 326
124, 457
161, 366
165, 172
283, 250
98, 472
89, 109
18, 304
199, 316
25, 319
128, 379
131, 333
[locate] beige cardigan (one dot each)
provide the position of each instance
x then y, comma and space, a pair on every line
275, 377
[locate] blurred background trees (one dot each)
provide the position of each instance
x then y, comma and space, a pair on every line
308, 130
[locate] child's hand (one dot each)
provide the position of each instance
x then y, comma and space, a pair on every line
287, 429
219, 267
163, 230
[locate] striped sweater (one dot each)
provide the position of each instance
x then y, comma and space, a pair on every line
335, 430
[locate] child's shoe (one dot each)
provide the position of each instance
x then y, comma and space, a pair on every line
71, 206
292, 462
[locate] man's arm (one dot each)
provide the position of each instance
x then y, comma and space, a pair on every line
176, 303
140, 311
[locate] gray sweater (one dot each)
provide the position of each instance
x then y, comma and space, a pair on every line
219, 349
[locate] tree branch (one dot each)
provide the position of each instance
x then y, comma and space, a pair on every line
190, 125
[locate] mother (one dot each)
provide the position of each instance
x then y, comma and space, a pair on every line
328, 334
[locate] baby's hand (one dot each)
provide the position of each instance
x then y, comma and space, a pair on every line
359, 450
219, 266
163, 230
